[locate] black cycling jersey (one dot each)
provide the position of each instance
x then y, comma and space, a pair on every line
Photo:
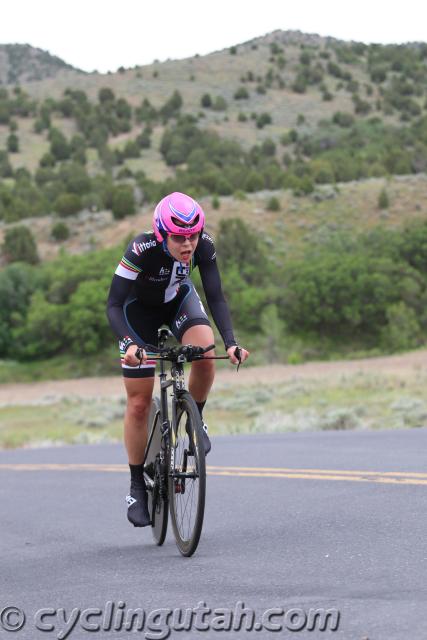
150, 274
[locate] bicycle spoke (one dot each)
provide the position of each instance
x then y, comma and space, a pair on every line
187, 502
187, 482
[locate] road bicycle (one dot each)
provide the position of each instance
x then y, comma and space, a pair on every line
174, 462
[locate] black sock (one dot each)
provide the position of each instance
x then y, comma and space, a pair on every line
200, 406
136, 473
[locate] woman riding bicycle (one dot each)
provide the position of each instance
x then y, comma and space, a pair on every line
152, 287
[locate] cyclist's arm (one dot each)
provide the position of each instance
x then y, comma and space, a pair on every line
126, 273
217, 304
119, 291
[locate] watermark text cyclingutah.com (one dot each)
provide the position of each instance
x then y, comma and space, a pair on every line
158, 624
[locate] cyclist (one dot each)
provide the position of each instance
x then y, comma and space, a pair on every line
152, 287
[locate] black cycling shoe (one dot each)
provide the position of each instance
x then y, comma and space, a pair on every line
205, 438
138, 513
206, 441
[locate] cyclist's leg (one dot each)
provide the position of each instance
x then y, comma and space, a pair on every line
139, 380
203, 371
139, 392
190, 325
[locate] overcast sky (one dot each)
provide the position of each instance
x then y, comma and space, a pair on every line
106, 34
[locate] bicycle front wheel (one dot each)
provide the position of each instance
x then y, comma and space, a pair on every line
187, 476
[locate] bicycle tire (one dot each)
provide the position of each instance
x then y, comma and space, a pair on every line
188, 421
157, 504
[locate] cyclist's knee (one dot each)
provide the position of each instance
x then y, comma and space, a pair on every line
138, 406
204, 366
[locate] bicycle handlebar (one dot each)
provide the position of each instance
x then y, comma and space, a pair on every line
189, 351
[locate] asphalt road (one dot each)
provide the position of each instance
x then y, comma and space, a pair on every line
341, 526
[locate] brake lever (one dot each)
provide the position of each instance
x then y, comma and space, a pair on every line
238, 354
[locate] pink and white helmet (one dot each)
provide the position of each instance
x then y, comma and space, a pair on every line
177, 213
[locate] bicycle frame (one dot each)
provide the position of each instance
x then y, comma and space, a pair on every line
177, 382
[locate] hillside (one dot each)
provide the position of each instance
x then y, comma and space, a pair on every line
21, 63
299, 223
285, 73
286, 111
319, 143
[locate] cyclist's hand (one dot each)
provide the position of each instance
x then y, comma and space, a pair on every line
243, 354
130, 358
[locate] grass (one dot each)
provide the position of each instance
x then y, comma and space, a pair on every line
340, 402
56, 424
354, 401
59, 368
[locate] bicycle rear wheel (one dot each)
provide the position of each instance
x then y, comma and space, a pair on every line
187, 476
156, 476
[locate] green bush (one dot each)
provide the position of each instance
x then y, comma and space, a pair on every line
106, 95
241, 94
172, 106
273, 204
349, 292
6, 170
42, 334
13, 143
383, 200
268, 147
216, 202
206, 101
60, 231
254, 182
17, 283
263, 119
402, 330
123, 201
299, 85
19, 245
220, 104
47, 160
343, 119
144, 138
67, 204
75, 178
289, 137
59, 147
85, 326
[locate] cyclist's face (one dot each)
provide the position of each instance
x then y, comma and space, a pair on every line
182, 247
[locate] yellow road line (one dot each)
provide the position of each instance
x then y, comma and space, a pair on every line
321, 471
322, 476
120, 468
382, 477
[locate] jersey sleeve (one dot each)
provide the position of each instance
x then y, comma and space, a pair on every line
119, 291
127, 271
130, 266
211, 280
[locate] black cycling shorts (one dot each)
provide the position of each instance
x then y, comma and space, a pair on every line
184, 311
